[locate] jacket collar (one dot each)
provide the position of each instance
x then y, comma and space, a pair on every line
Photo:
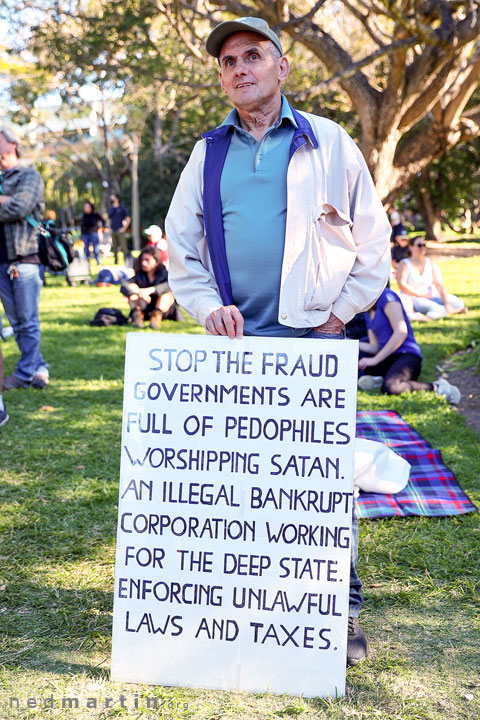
219, 132
10, 171
303, 129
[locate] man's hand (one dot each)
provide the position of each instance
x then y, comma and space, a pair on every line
227, 320
5, 198
333, 326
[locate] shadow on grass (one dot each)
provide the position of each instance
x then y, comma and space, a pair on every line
44, 627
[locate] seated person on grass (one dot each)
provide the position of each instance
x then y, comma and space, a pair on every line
421, 285
148, 291
392, 359
400, 248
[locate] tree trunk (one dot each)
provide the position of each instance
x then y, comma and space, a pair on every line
467, 221
431, 217
135, 192
379, 158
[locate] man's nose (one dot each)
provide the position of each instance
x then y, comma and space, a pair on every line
241, 67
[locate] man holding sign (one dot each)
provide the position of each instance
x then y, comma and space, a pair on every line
275, 228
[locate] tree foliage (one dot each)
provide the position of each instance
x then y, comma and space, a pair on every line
400, 76
409, 69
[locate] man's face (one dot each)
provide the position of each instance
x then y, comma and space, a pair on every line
7, 153
251, 70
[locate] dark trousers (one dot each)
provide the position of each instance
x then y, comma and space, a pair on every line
400, 372
355, 597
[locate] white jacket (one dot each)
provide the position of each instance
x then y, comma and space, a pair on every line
337, 251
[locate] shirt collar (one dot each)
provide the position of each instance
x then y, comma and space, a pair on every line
285, 114
6, 173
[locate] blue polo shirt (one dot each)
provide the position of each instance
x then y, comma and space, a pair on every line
253, 191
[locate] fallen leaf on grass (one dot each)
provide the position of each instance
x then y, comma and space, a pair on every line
47, 408
374, 585
80, 467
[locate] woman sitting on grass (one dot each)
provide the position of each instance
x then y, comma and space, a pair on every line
148, 291
392, 359
421, 285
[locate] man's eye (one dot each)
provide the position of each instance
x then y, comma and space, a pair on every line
253, 56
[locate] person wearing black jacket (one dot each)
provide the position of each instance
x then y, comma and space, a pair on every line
148, 291
92, 223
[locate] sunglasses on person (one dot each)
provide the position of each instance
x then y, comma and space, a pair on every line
420, 245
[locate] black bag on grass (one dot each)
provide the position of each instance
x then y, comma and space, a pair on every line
109, 316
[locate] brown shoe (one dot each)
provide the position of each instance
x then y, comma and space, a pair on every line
156, 317
138, 318
12, 382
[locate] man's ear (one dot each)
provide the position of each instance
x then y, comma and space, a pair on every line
221, 80
283, 69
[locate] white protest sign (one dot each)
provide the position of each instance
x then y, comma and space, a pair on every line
233, 547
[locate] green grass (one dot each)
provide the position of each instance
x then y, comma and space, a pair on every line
58, 496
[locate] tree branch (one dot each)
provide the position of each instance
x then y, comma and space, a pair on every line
420, 150
392, 96
238, 8
420, 103
381, 52
472, 112
417, 27
173, 20
295, 21
462, 90
364, 19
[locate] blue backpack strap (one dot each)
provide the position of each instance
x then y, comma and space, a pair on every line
218, 142
31, 221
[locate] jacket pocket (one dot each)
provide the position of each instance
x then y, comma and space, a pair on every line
331, 256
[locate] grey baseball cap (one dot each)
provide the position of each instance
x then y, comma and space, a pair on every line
244, 24
11, 137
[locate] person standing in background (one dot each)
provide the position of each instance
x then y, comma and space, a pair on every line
396, 223
156, 238
92, 224
119, 223
21, 271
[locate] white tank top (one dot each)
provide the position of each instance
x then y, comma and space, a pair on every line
420, 280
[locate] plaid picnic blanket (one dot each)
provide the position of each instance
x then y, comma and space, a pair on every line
432, 489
